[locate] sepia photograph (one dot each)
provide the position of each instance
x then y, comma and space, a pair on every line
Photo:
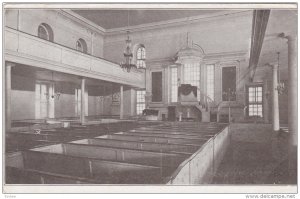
176, 97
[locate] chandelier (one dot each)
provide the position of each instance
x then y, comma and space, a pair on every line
127, 63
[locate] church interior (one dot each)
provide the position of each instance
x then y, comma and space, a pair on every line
150, 96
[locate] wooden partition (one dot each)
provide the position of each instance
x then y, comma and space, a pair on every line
151, 146
162, 134
155, 139
100, 170
202, 165
125, 155
161, 157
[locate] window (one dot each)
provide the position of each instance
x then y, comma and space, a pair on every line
140, 102
229, 83
140, 57
210, 81
192, 76
255, 101
81, 46
45, 32
174, 85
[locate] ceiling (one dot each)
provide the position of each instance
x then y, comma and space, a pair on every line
110, 19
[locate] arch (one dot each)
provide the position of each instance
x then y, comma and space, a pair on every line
81, 45
45, 32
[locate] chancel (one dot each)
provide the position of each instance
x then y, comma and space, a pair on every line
150, 96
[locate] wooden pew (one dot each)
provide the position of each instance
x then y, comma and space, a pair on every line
100, 170
151, 146
155, 139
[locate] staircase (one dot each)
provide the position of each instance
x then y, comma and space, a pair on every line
205, 112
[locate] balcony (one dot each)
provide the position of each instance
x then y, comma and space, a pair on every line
30, 50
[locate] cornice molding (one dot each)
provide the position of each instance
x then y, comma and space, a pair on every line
209, 58
79, 19
150, 26
178, 22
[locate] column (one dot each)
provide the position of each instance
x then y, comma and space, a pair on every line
292, 106
121, 103
8, 96
275, 103
82, 105
292, 88
132, 102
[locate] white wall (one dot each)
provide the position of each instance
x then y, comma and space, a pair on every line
219, 35
66, 31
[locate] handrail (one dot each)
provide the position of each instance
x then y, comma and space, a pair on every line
207, 99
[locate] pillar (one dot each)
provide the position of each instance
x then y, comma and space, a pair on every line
132, 102
292, 88
121, 102
292, 106
275, 103
82, 105
8, 67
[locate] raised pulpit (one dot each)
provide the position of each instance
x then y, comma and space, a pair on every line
187, 94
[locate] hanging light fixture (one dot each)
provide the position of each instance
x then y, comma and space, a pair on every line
280, 84
127, 65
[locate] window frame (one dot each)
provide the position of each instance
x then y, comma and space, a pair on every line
83, 44
141, 56
255, 102
172, 84
213, 81
140, 104
195, 73
48, 30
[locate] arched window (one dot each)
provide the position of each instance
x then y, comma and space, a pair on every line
81, 46
141, 57
45, 32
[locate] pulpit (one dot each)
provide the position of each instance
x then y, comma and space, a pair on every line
187, 93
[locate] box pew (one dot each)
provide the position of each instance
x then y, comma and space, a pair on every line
17, 145
75, 132
124, 155
16, 175
171, 135
102, 171
192, 131
47, 137
155, 139
151, 146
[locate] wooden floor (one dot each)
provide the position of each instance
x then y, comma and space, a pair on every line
256, 155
